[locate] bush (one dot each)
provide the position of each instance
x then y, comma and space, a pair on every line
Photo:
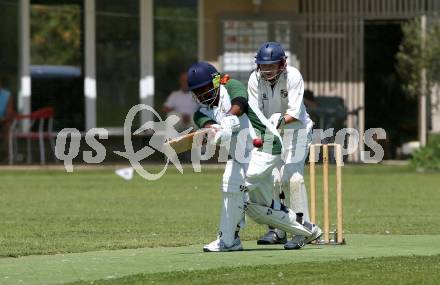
428, 157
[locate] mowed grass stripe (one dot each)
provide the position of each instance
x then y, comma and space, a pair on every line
385, 270
52, 269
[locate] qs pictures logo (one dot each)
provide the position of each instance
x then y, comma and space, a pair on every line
161, 132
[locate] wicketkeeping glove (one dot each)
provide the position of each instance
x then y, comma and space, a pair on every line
277, 120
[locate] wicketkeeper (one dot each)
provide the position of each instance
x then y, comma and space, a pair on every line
279, 89
246, 185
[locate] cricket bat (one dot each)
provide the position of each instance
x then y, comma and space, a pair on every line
184, 143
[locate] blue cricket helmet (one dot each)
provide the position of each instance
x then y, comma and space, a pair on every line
201, 74
269, 53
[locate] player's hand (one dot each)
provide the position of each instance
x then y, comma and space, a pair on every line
230, 122
215, 127
214, 135
277, 120
223, 137
274, 119
281, 123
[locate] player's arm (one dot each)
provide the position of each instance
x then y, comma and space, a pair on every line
239, 105
289, 119
220, 135
239, 97
252, 90
295, 95
203, 121
237, 109
209, 124
295, 91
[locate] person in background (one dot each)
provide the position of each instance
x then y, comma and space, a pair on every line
6, 116
181, 103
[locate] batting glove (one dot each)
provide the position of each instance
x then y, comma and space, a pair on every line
230, 122
223, 137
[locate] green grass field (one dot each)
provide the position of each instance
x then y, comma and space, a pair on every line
387, 270
100, 221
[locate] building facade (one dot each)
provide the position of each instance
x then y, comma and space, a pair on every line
328, 40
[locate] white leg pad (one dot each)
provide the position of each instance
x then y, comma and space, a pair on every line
232, 215
296, 195
232, 202
276, 218
276, 174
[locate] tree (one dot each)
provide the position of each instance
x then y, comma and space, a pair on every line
411, 58
56, 35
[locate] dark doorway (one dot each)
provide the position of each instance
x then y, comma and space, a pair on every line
386, 106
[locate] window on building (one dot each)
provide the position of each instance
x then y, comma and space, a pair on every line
241, 40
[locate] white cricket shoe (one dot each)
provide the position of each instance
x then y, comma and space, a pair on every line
299, 241
219, 246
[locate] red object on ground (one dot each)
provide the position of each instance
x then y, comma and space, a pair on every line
257, 142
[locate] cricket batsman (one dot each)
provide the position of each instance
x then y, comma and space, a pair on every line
279, 89
246, 184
